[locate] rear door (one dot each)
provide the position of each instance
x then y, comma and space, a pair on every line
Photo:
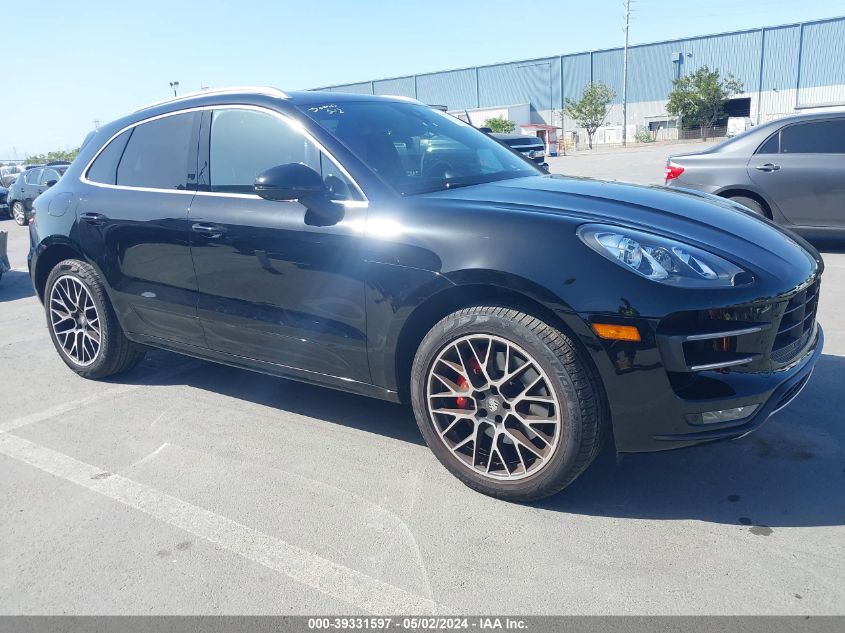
133, 223
802, 170
30, 186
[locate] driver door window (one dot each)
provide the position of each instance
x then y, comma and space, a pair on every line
245, 143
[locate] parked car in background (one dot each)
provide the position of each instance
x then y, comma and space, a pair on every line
8, 174
791, 170
4, 202
29, 185
4, 256
531, 147
524, 316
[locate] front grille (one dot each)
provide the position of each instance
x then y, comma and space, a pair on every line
759, 337
796, 324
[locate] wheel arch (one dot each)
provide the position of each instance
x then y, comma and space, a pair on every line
49, 256
730, 192
479, 288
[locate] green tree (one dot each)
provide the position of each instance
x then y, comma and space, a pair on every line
500, 125
699, 98
61, 154
590, 111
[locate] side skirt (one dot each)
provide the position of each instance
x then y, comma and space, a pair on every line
272, 369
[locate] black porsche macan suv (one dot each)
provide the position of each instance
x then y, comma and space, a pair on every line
379, 246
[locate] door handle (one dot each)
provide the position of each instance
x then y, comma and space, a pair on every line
93, 218
211, 231
768, 167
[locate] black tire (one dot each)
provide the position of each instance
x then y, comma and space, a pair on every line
116, 353
750, 203
583, 410
18, 213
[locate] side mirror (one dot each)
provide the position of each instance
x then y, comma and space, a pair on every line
293, 181
486, 130
50, 183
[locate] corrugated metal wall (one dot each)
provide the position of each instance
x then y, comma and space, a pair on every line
788, 66
822, 62
401, 86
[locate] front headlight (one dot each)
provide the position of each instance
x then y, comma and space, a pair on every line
662, 259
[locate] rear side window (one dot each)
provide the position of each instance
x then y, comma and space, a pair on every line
818, 137
104, 169
245, 142
771, 146
31, 176
49, 174
157, 154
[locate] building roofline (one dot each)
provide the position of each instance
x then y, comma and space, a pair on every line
549, 58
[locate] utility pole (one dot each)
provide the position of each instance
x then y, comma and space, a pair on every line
625, 76
174, 85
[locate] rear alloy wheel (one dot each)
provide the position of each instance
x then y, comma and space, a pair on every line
19, 212
507, 403
83, 325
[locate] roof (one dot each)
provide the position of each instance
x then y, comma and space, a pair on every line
296, 97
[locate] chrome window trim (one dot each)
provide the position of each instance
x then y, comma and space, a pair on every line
290, 121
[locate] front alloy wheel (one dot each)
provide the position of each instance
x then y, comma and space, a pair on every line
493, 407
508, 403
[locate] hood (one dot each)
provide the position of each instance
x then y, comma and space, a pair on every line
715, 224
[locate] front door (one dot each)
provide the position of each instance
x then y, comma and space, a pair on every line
273, 285
133, 224
802, 169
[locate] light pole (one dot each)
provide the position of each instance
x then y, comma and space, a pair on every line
625, 76
173, 86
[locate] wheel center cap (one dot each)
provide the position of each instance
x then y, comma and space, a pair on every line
492, 404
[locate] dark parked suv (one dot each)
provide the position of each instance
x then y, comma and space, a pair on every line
28, 186
531, 147
526, 317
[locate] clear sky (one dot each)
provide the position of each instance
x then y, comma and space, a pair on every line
73, 61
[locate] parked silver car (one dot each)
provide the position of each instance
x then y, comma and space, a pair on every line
791, 170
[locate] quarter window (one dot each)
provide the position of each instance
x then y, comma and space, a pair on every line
104, 169
771, 146
157, 154
819, 137
245, 143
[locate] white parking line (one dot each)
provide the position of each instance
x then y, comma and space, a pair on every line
72, 405
340, 582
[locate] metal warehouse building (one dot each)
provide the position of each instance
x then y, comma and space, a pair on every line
784, 69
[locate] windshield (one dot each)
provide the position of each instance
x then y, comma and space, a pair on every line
417, 149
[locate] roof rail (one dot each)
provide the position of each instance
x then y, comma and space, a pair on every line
264, 90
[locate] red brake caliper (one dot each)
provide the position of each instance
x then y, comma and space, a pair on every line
463, 401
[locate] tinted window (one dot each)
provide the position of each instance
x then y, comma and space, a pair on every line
771, 146
821, 137
31, 176
245, 142
104, 168
415, 148
49, 174
157, 154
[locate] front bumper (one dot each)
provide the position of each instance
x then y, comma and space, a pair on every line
661, 388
